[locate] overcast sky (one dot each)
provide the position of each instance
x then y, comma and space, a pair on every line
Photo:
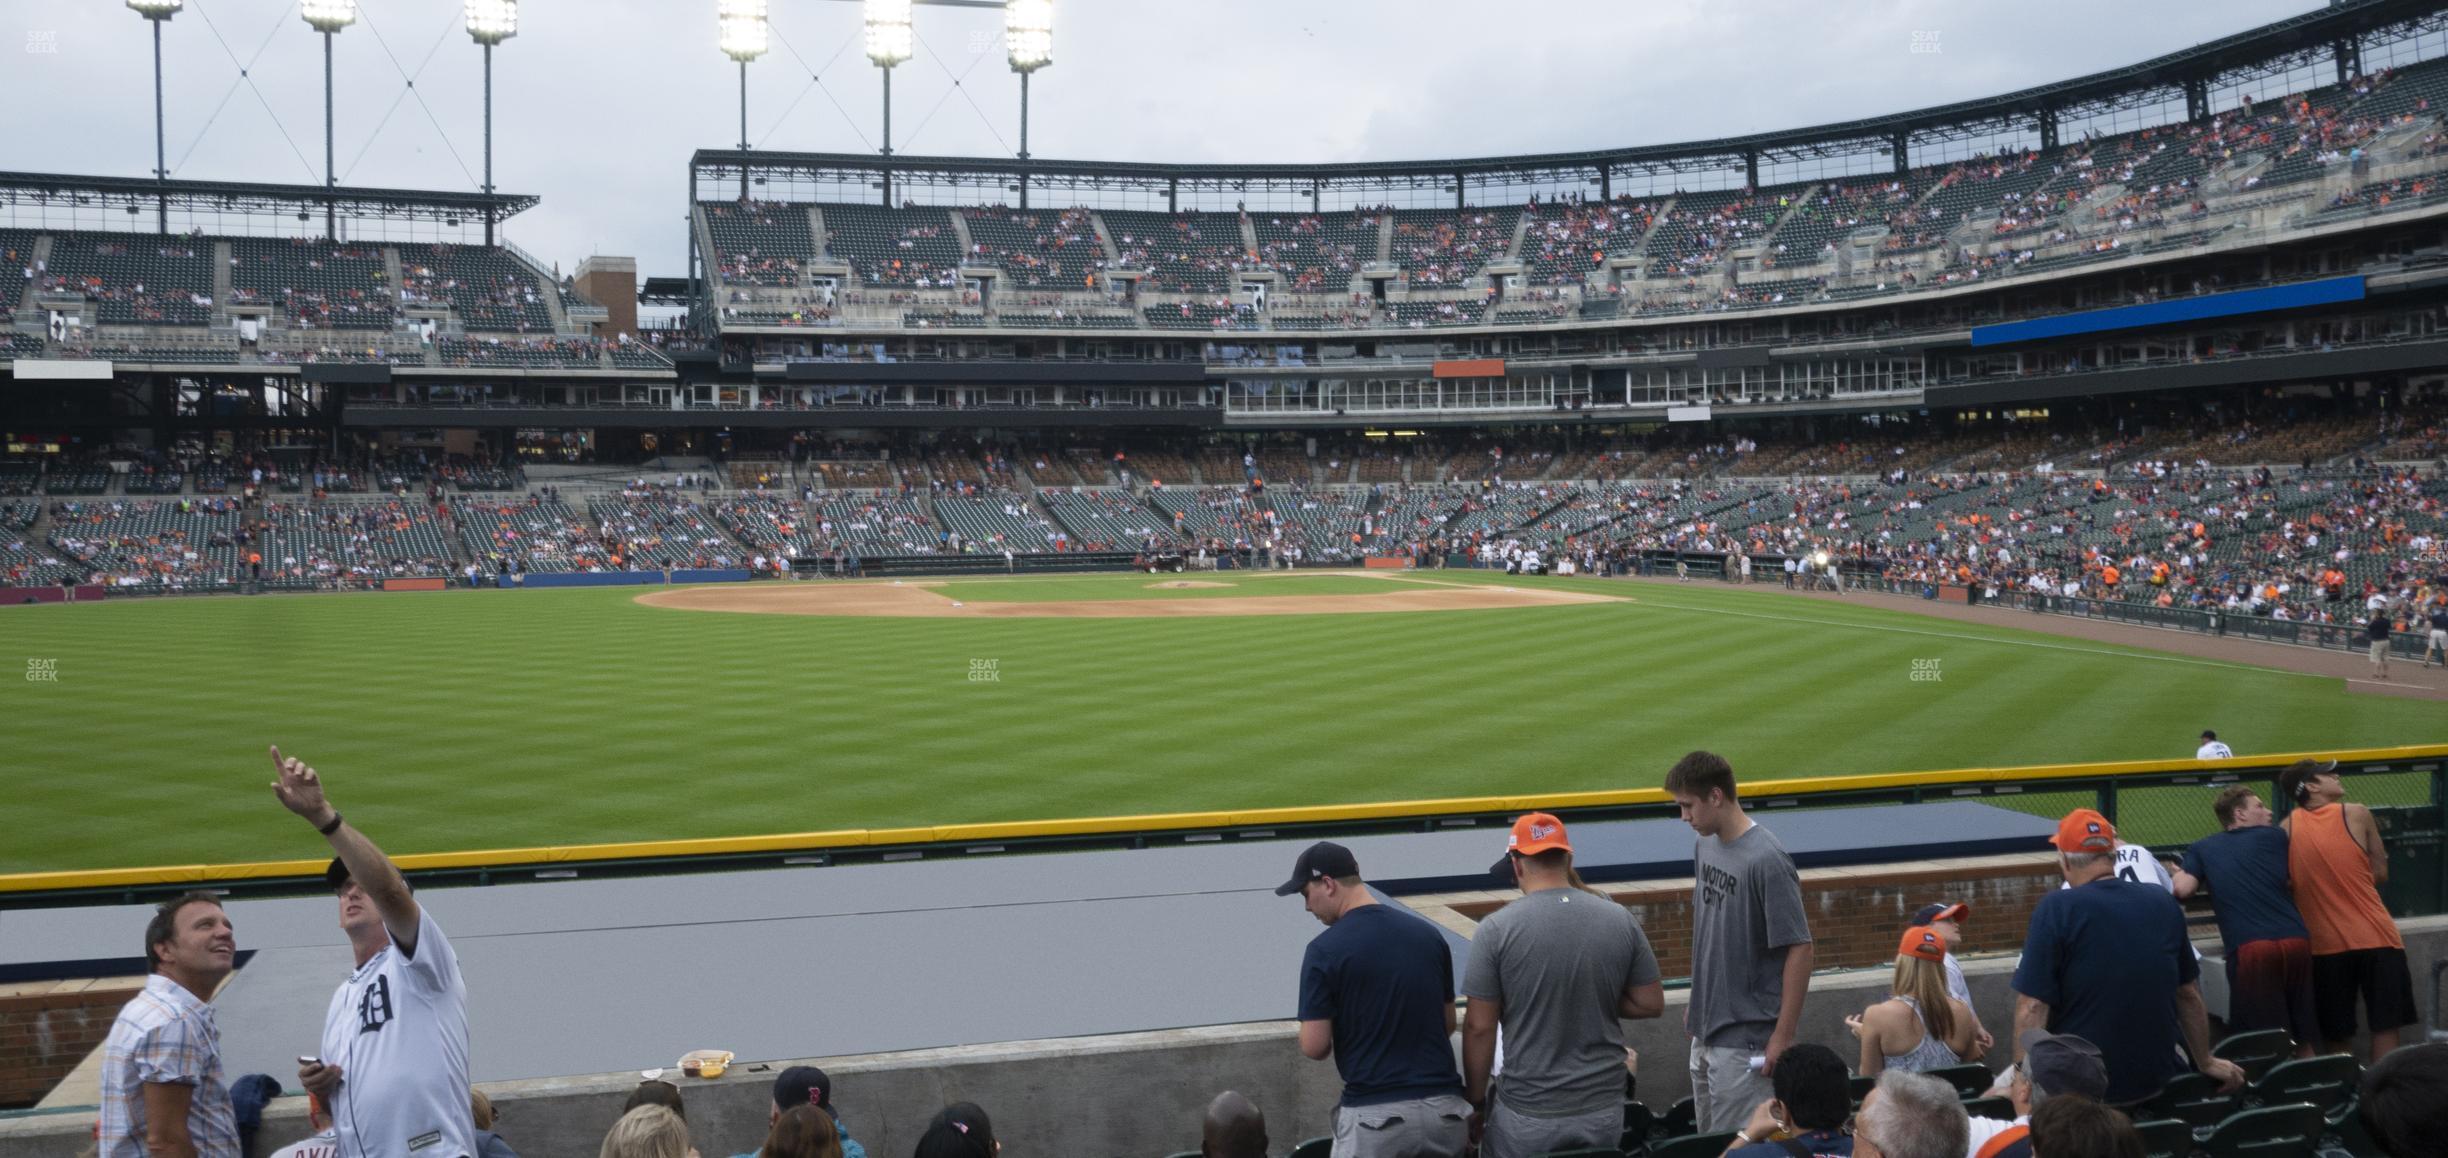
598, 103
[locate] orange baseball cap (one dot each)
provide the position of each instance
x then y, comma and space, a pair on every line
1536, 833
2083, 830
1923, 942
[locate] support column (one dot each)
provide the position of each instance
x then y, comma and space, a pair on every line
331, 179
1900, 144
488, 119
1751, 168
161, 161
2048, 129
2197, 100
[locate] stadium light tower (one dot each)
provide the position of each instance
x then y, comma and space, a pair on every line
743, 40
1028, 38
328, 17
159, 13
888, 43
490, 22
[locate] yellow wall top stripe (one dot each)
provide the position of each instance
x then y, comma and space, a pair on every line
157, 875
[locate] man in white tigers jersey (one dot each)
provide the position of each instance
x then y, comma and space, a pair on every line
394, 1062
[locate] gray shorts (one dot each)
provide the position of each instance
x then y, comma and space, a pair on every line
1437, 1127
1513, 1134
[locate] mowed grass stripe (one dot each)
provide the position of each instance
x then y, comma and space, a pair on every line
495, 719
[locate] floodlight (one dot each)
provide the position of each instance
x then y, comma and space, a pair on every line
492, 21
1028, 33
328, 16
889, 37
743, 28
157, 9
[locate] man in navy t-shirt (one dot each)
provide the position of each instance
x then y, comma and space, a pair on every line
2269, 952
2107, 960
1376, 994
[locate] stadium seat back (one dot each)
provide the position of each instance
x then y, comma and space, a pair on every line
2165, 1138
1690, 1146
2268, 1132
2191, 1098
2321, 1082
2257, 1052
1970, 1080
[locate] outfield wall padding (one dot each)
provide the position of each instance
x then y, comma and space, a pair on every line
12, 596
590, 579
711, 575
414, 584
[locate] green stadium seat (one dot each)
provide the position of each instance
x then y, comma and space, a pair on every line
2256, 1051
1688, 1146
1636, 1123
1970, 1080
2268, 1132
2191, 1098
1859, 1087
1992, 1107
1314, 1148
1681, 1118
2324, 1083
2165, 1138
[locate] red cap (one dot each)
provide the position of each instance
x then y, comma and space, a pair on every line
2085, 831
1536, 833
1923, 942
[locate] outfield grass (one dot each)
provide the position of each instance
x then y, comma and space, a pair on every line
460, 720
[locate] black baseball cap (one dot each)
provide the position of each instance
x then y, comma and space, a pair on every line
803, 1086
1323, 859
336, 874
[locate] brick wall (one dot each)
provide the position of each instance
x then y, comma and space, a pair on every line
1856, 914
47, 1027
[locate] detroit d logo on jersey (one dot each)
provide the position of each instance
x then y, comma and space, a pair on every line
374, 1005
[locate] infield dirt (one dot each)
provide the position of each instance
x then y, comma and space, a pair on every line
941, 601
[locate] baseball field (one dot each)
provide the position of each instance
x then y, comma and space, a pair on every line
471, 720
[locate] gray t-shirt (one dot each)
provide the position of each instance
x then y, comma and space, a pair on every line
1746, 908
1559, 960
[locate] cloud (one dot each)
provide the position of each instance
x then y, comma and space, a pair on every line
598, 103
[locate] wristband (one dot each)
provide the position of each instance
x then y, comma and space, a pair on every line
334, 826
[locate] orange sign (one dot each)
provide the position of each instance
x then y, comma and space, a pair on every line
1471, 368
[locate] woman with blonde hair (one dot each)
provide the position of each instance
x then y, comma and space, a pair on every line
1919, 1028
649, 1131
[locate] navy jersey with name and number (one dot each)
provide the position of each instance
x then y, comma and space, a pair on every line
398, 1029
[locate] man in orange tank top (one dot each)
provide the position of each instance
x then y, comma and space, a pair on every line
2337, 863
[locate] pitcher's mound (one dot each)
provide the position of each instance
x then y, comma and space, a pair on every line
1185, 584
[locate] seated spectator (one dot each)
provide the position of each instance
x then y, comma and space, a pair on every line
1920, 1027
959, 1130
648, 1132
656, 1092
803, 1132
1909, 1115
2401, 1103
488, 1143
1808, 1113
807, 1086
2058, 1065
1234, 1129
2082, 1128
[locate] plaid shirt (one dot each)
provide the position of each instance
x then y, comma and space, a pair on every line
165, 1035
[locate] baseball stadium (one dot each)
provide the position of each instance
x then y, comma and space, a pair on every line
807, 658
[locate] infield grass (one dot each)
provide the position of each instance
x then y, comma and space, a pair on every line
467, 720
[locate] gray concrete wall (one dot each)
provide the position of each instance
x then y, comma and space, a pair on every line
1122, 1096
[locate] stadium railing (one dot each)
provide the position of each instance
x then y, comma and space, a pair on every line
2164, 804
2331, 636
